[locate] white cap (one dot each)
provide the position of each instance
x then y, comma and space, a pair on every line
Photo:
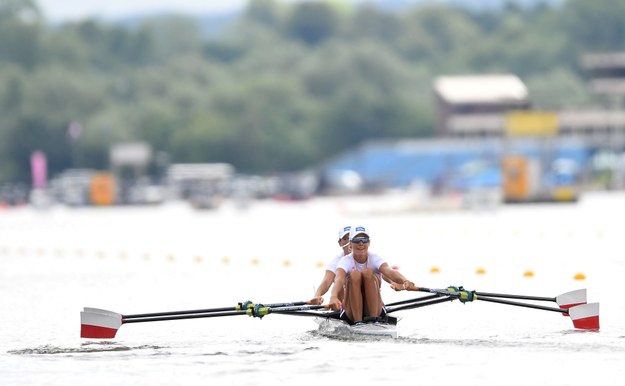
358, 230
343, 231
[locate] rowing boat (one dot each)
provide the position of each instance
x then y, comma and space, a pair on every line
102, 324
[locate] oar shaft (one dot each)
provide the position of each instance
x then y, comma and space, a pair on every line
264, 310
172, 313
182, 316
522, 297
285, 309
437, 292
440, 299
239, 307
423, 298
519, 304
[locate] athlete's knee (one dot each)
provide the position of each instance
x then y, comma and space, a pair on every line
367, 274
355, 277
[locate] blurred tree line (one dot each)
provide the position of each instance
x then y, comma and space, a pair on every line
284, 87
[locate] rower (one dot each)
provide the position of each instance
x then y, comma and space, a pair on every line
360, 273
328, 277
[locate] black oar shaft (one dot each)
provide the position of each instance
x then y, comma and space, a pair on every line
522, 297
208, 310
262, 311
182, 316
440, 299
422, 298
519, 304
186, 312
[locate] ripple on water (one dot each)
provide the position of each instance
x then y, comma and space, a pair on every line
88, 347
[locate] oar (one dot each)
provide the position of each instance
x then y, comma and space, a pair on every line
102, 324
584, 316
239, 307
565, 300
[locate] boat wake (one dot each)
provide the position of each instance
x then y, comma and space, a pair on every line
89, 347
338, 329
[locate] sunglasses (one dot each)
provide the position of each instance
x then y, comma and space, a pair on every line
358, 240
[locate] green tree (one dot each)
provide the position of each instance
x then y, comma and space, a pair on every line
594, 25
312, 22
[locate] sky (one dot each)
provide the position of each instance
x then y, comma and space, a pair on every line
72, 10
66, 10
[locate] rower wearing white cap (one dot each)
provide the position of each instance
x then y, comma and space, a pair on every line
360, 272
328, 277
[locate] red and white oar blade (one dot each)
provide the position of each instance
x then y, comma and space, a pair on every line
585, 316
99, 324
571, 299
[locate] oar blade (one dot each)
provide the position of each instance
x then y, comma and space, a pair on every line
585, 316
572, 299
99, 325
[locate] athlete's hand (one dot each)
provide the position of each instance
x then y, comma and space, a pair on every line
405, 286
335, 304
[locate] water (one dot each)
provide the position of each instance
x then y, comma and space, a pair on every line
135, 260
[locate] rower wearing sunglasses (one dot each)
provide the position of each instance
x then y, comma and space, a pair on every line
360, 274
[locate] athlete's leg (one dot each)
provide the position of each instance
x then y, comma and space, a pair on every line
353, 297
371, 289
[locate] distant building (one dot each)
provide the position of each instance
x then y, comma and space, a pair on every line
475, 105
202, 184
602, 125
607, 76
478, 105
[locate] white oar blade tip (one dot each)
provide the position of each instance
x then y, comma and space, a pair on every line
99, 326
585, 316
572, 299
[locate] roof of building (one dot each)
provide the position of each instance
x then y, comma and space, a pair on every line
607, 60
481, 89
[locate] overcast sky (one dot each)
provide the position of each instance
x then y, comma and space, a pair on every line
64, 10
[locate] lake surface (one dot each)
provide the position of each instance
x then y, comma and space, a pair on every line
151, 259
